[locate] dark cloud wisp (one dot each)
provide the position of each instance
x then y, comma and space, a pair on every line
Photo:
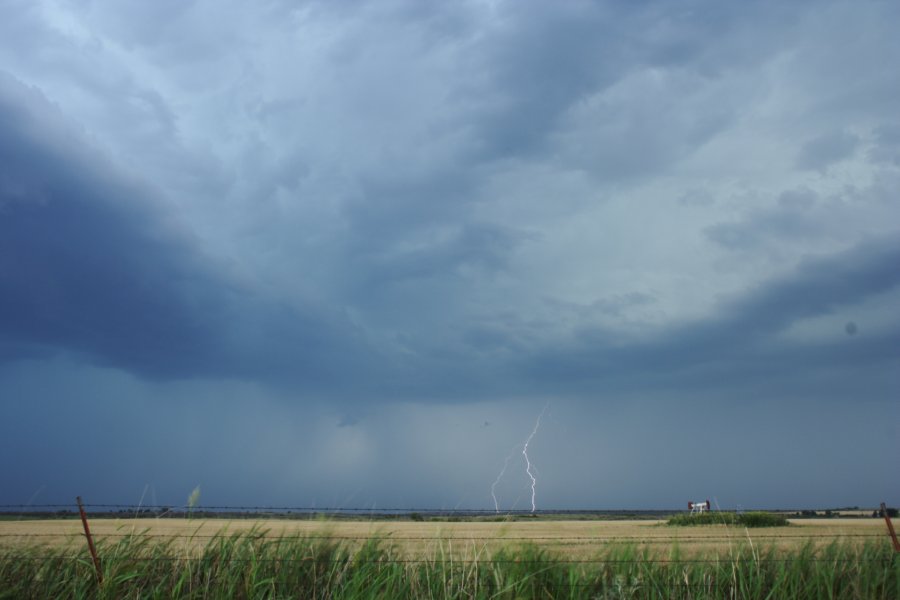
90, 264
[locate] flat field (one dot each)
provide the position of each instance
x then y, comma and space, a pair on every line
569, 539
533, 558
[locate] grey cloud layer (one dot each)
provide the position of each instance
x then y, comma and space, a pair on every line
301, 252
92, 264
405, 200
732, 347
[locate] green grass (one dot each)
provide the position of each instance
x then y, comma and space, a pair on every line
748, 519
255, 566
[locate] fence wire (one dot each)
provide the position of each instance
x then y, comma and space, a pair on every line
451, 561
560, 540
493, 538
396, 510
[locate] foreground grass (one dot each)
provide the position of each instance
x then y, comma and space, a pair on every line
255, 566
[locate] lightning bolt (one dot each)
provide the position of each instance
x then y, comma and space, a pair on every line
537, 425
500, 476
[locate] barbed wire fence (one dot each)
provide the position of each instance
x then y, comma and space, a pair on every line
266, 512
389, 511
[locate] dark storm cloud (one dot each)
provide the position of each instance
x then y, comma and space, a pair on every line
541, 62
819, 285
304, 251
476, 246
92, 264
534, 76
804, 217
886, 149
413, 251
794, 218
544, 61
827, 149
740, 345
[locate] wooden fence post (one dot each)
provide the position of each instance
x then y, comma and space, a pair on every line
90, 540
887, 519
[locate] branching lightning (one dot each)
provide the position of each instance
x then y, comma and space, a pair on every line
537, 425
528, 465
500, 476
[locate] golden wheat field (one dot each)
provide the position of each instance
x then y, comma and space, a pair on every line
572, 539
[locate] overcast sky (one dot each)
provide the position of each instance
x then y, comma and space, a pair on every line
346, 253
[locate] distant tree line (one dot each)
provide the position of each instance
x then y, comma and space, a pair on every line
837, 512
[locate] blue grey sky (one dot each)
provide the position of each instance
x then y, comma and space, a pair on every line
345, 253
